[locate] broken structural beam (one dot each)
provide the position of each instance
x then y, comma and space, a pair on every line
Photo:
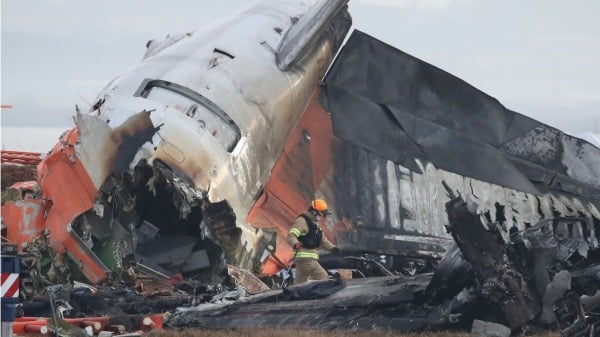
502, 285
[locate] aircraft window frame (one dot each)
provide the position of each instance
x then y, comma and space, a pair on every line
147, 85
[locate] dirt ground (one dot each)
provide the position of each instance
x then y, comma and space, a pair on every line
306, 333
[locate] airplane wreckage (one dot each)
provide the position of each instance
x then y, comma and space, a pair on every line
189, 169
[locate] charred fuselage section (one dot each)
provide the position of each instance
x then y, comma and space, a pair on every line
185, 168
521, 284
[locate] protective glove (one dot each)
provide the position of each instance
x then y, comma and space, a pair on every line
335, 250
298, 246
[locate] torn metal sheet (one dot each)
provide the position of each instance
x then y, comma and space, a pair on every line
382, 303
576, 319
117, 146
516, 277
501, 284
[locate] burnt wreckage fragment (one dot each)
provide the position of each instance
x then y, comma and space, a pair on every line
482, 278
520, 200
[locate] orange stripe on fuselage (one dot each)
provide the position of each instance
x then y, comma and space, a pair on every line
299, 174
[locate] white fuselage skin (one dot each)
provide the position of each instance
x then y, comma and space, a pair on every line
231, 64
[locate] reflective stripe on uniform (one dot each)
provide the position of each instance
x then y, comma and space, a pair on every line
295, 232
306, 255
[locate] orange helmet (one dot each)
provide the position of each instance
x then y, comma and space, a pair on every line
319, 205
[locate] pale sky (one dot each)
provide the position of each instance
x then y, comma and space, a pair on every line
540, 58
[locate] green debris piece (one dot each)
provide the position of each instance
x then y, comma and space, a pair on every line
108, 252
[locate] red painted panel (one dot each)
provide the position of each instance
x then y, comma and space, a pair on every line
24, 219
301, 174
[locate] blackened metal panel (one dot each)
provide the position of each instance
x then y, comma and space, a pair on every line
402, 108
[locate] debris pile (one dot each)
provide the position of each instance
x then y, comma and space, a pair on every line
523, 285
169, 202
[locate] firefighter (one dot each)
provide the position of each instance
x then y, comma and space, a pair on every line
306, 237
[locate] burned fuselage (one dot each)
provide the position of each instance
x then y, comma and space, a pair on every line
181, 145
210, 111
218, 139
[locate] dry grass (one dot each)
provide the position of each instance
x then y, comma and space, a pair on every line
303, 332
